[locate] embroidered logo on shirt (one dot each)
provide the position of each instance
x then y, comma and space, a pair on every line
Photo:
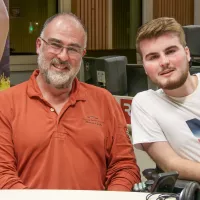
194, 125
93, 120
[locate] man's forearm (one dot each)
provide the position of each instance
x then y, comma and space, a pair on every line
9, 182
168, 160
16, 186
187, 169
124, 180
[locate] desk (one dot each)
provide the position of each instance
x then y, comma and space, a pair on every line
71, 194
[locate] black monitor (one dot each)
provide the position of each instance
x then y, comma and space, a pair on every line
108, 72
137, 80
194, 69
88, 70
192, 33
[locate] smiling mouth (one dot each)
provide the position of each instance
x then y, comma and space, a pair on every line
165, 72
57, 66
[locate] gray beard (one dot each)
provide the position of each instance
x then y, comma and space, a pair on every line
59, 80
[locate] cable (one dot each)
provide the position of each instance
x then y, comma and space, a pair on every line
162, 196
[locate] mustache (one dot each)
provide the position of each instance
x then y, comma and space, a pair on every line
56, 61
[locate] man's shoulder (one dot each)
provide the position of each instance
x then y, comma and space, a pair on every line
149, 99
95, 90
12, 97
144, 95
14, 91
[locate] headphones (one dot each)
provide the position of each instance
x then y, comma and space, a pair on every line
190, 191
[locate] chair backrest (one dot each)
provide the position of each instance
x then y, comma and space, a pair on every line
192, 34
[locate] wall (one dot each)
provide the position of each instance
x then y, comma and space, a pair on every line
196, 12
21, 67
135, 20
186, 11
23, 60
181, 10
22, 37
94, 15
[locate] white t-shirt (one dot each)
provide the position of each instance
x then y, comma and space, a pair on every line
158, 117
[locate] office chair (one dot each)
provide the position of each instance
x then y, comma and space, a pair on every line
192, 33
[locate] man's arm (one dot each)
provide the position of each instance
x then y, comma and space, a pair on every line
8, 173
168, 160
4, 24
122, 172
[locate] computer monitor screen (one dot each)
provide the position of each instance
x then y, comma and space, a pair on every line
108, 72
192, 39
88, 70
111, 74
194, 69
137, 80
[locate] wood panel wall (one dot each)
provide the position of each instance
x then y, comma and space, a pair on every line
94, 15
121, 24
181, 10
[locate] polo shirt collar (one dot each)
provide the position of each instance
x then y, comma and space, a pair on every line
78, 92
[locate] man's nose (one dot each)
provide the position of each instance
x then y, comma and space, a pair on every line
63, 55
164, 61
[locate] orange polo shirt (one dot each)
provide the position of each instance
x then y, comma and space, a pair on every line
85, 147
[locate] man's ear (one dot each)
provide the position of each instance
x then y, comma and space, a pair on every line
145, 72
144, 67
84, 52
38, 45
187, 51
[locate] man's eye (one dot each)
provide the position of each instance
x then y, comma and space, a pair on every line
73, 49
170, 51
153, 57
56, 45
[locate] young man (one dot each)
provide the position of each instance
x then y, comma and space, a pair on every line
166, 122
4, 24
59, 133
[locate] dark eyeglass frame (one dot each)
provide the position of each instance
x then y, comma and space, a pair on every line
71, 50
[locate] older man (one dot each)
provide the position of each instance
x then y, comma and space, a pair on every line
59, 133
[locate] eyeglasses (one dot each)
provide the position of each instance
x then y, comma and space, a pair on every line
56, 48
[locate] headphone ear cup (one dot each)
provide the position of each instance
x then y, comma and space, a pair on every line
189, 192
